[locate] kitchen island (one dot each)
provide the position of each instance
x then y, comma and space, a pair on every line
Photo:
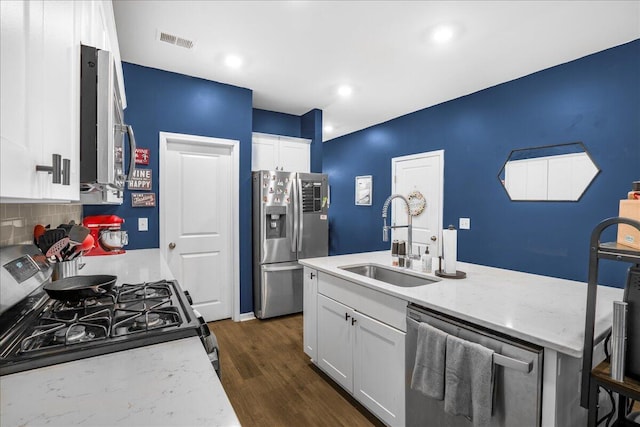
544, 311
171, 383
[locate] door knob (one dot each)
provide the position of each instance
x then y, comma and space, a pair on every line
434, 238
172, 245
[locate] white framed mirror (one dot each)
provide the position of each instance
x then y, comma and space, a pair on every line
560, 172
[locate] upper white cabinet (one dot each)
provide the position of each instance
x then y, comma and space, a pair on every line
98, 29
274, 152
40, 94
60, 100
40, 100
20, 144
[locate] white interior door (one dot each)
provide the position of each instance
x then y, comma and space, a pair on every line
197, 209
422, 172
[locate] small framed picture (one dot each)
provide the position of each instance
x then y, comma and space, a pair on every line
364, 190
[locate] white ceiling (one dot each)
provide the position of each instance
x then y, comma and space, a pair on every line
297, 53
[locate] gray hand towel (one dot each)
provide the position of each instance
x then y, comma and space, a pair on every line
469, 381
428, 371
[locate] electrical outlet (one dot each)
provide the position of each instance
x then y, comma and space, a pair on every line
143, 224
465, 224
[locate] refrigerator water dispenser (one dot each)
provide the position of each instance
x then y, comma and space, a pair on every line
276, 222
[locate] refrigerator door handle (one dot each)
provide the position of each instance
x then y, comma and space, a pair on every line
289, 267
294, 219
300, 212
291, 220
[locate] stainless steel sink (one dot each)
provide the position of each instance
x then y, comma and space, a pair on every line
389, 275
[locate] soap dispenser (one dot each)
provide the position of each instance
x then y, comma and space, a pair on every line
425, 260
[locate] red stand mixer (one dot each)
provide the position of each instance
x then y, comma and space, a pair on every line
108, 234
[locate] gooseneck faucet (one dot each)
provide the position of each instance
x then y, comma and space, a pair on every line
408, 226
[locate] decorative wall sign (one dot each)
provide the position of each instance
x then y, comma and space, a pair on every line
364, 190
141, 180
143, 200
142, 156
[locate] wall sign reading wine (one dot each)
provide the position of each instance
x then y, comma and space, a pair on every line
142, 156
141, 179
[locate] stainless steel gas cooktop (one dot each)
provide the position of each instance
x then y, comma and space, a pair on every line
39, 331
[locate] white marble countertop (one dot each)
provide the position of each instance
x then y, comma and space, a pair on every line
546, 311
171, 383
168, 384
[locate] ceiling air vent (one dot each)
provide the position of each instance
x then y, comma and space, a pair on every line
175, 40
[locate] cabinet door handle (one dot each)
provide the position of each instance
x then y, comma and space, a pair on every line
353, 321
312, 275
346, 316
66, 172
55, 169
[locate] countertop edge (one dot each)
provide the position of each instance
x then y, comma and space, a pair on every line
570, 350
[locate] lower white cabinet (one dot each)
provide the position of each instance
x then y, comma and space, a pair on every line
364, 356
336, 341
378, 369
309, 308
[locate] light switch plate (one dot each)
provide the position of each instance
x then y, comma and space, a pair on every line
143, 224
465, 224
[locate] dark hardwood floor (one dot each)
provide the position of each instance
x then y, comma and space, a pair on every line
271, 382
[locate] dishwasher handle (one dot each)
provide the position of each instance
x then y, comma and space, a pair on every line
499, 359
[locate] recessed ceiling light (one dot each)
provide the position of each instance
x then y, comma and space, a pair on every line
345, 90
443, 33
233, 61
328, 128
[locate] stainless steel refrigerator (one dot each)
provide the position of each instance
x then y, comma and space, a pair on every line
290, 222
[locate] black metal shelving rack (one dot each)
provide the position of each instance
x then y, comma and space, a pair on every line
599, 376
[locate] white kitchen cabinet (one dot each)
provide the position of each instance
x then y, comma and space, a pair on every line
40, 98
378, 365
335, 341
264, 153
275, 152
294, 155
20, 146
310, 310
61, 95
98, 29
40, 92
362, 354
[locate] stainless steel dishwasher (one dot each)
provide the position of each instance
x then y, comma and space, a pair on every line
518, 375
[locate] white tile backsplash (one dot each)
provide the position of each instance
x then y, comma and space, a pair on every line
18, 219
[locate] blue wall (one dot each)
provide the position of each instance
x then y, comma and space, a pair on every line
311, 128
276, 123
595, 99
163, 101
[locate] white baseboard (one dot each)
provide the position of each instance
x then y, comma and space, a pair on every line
246, 316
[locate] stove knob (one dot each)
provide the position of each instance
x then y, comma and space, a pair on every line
188, 295
204, 329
